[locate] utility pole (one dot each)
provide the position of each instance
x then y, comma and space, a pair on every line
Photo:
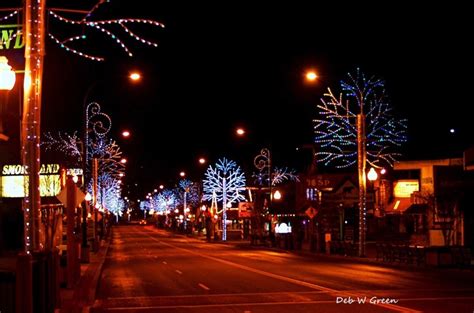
29, 278
361, 164
30, 134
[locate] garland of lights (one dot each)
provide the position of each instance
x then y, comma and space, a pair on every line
336, 131
100, 26
8, 16
95, 7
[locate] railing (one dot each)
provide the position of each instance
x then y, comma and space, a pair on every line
401, 253
344, 248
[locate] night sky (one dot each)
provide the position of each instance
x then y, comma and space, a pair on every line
235, 64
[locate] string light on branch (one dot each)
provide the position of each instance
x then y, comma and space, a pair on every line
336, 130
100, 26
4, 18
87, 56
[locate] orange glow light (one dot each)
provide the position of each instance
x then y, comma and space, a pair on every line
126, 133
135, 76
311, 76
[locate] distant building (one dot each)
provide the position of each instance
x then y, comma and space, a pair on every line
435, 198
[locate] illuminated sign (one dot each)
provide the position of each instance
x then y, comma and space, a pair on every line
404, 188
74, 172
11, 37
13, 183
283, 228
20, 169
14, 186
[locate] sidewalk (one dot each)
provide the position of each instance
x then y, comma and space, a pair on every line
81, 298
369, 258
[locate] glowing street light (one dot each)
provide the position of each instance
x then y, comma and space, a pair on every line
125, 134
277, 195
88, 197
240, 131
372, 174
182, 174
202, 160
7, 75
135, 76
311, 76
7, 81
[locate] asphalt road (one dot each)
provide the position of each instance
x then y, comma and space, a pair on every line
150, 270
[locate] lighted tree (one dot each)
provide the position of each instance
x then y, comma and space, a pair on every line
105, 150
116, 206
108, 196
188, 195
189, 190
225, 181
336, 129
146, 205
69, 145
109, 156
165, 200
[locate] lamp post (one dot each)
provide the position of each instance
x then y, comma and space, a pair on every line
377, 184
262, 162
100, 124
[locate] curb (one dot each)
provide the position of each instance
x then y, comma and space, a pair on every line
84, 292
97, 274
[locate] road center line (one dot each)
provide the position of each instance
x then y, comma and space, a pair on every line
179, 272
204, 286
285, 278
164, 262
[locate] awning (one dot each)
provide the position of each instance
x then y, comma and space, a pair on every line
398, 205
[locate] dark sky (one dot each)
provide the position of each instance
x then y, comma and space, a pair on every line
231, 64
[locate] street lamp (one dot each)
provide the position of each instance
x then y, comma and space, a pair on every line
372, 174
377, 186
125, 134
240, 131
262, 162
7, 81
311, 76
7, 75
135, 76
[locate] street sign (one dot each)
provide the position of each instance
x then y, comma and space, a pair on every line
62, 196
311, 212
